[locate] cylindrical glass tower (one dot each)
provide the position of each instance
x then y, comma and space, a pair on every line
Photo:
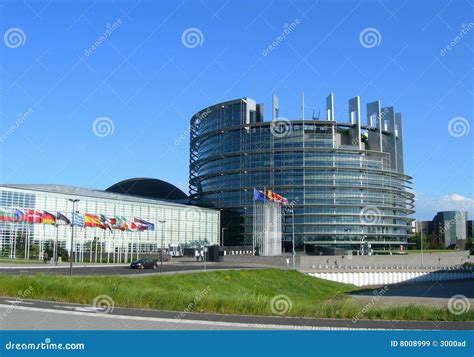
345, 181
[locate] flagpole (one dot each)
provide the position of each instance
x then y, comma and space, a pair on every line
96, 241
254, 223
90, 250
107, 244
55, 253
131, 248
28, 242
10, 234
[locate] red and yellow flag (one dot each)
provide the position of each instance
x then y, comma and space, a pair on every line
92, 220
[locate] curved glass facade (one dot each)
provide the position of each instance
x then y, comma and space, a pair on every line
342, 192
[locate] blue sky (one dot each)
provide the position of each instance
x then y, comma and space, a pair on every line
148, 82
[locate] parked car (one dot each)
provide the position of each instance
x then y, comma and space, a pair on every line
144, 264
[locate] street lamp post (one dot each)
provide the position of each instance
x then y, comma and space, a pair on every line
162, 221
421, 246
71, 255
222, 235
293, 238
362, 245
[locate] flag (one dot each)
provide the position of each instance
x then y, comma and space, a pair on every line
20, 216
258, 195
48, 218
144, 225
275, 197
92, 220
62, 218
77, 220
118, 222
33, 216
132, 226
7, 215
106, 222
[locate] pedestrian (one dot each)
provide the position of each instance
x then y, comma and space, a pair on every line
202, 255
287, 262
45, 257
196, 254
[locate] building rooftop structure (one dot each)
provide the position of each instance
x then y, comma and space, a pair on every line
89, 192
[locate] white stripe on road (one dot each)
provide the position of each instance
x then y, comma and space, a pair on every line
178, 321
15, 302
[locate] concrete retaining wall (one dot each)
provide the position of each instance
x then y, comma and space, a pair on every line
434, 260
392, 277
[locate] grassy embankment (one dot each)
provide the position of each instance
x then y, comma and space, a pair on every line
229, 292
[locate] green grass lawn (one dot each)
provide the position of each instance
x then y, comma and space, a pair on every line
427, 251
230, 292
19, 261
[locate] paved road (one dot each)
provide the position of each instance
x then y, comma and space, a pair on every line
435, 293
120, 269
47, 315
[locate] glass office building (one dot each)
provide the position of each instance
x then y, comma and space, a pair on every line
184, 226
344, 179
449, 227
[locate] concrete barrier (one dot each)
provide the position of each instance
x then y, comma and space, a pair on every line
368, 278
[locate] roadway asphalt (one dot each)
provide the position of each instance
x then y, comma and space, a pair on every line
119, 269
429, 293
48, 315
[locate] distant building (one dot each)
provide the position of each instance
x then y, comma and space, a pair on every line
131, 218
450, 227
425, 227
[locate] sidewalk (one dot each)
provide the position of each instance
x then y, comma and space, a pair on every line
60, 266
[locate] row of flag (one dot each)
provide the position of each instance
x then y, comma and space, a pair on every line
76, 219
269, 196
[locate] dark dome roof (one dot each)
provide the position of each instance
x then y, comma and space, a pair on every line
148, 187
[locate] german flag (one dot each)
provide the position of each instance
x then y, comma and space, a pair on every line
48, 218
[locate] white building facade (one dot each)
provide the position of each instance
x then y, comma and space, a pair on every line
183, 226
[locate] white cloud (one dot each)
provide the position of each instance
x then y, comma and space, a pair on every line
426, 206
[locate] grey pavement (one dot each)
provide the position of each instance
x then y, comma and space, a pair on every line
123, 269
36, 314
436, 294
